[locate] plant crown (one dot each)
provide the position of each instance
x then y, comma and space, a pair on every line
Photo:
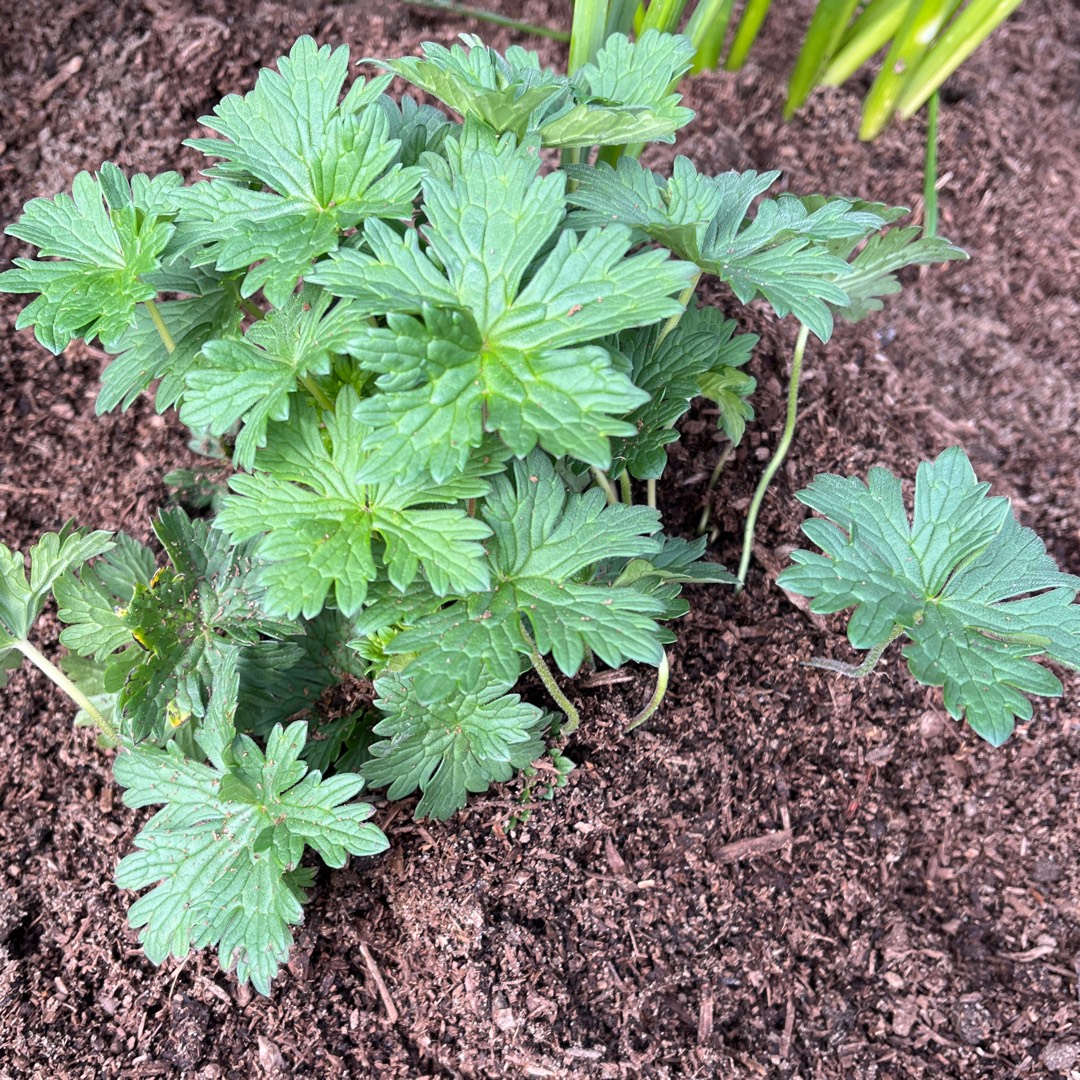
432, 356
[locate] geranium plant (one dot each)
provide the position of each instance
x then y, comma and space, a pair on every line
442, 367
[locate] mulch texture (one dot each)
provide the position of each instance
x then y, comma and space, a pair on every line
784, 874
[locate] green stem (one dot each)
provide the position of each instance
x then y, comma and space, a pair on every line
930, 203
650, 494
451, 8
658, 695
317, 393
625, 489
777, 459
540, 666
253, 310
47, 667
706, 512
162, 329
604, 484
857, 671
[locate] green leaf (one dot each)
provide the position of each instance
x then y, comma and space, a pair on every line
325, 530
91, 603
211, 312
974, 591
518, 355
159, 645
328, 166
508, 94
22, 600
224, 851
107, 236
544, 542
782, 253
700, 356
453, 747
252, 379
872, 272
624, 96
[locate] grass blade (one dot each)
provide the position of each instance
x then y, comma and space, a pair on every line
930, 206
746, 33
450, 8
921, 25
663, 15
830, 20
874, 27
620, 18
586, 33
962, 37
707, 29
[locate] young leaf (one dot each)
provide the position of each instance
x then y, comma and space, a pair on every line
974, 591
22, 601
328, 166
623, 97
450, 748
325, 528
782, 253
224, 851
518, 358
506, 94
107, 236
544, 540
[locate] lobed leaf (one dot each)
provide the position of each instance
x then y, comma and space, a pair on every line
973, 590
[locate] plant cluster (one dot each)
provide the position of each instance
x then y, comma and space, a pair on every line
440, 364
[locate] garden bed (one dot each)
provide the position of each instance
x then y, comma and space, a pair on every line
784, 873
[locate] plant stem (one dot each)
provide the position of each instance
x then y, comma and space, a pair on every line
540, 666
253, 310
490, 16
777, 459
625, 489
317, 393
601, 479
650, 494
706, 513
162, 329
930, 204
856, 671
47, 667
658, 695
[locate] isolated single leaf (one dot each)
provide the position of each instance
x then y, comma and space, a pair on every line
326, 532
106, 238
974, 591
224, 851
22, 600
545, 540
453, 747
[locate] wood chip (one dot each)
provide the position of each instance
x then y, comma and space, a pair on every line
752, 846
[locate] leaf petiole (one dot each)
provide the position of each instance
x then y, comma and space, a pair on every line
662, 675
540, 666
48, 668
856, 671
162, 329
777, 459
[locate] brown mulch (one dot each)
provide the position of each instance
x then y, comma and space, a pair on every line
783, 874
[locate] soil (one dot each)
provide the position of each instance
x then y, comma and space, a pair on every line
784, 874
